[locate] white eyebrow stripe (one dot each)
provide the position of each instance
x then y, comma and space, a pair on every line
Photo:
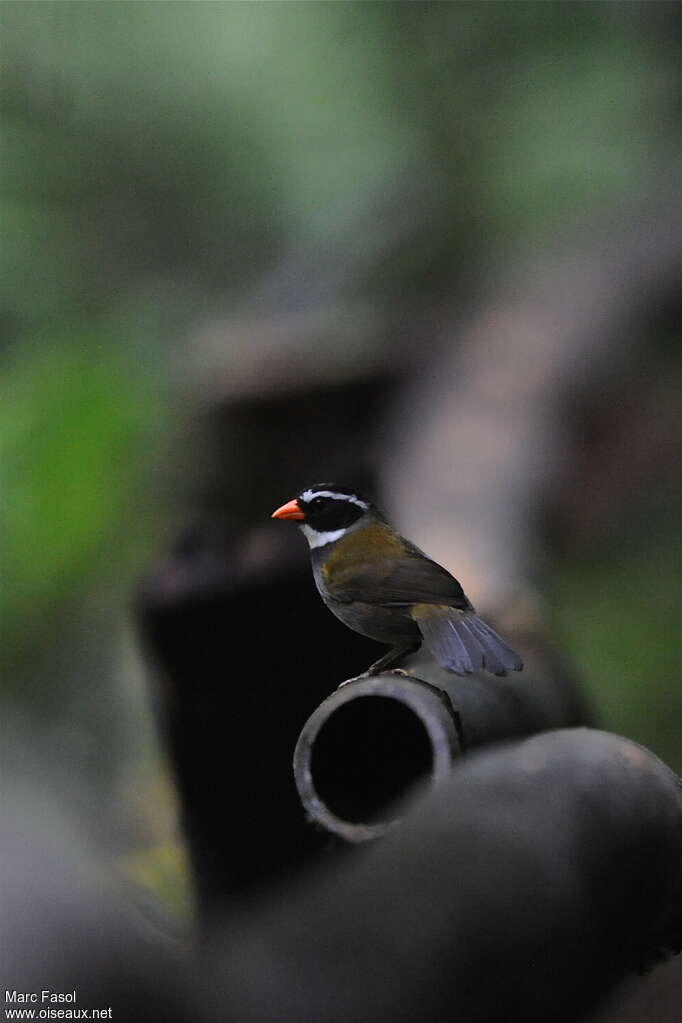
316, 539
308, 495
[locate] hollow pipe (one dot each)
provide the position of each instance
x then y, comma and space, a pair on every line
369, 744
523, 887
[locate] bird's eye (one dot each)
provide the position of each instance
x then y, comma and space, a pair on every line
317, 502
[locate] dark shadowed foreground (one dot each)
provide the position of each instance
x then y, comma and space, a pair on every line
521, 889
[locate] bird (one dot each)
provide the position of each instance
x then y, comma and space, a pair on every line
384, 587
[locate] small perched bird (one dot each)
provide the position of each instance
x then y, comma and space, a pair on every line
382, 586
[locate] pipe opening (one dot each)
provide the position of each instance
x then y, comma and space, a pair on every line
366, 757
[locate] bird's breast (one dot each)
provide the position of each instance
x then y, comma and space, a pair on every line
373, 546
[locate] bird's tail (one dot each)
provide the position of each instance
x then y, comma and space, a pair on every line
462, 642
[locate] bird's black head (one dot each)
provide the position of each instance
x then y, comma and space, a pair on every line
326, 508
329, 506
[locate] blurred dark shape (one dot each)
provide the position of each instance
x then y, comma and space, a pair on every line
66, 925
652, 998
239, 637
372, 740
264, 449
523, 888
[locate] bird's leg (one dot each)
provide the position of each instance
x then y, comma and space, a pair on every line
394, 655
390, 658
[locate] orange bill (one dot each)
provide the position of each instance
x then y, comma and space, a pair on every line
290, 510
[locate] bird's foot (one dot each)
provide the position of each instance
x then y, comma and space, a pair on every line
355, 678
385, 664
371, 674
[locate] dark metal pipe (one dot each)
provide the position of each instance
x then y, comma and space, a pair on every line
375, 739
523, 887
366, 746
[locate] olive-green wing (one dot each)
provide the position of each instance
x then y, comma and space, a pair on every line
411, 578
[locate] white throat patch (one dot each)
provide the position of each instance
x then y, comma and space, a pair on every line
317, 539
